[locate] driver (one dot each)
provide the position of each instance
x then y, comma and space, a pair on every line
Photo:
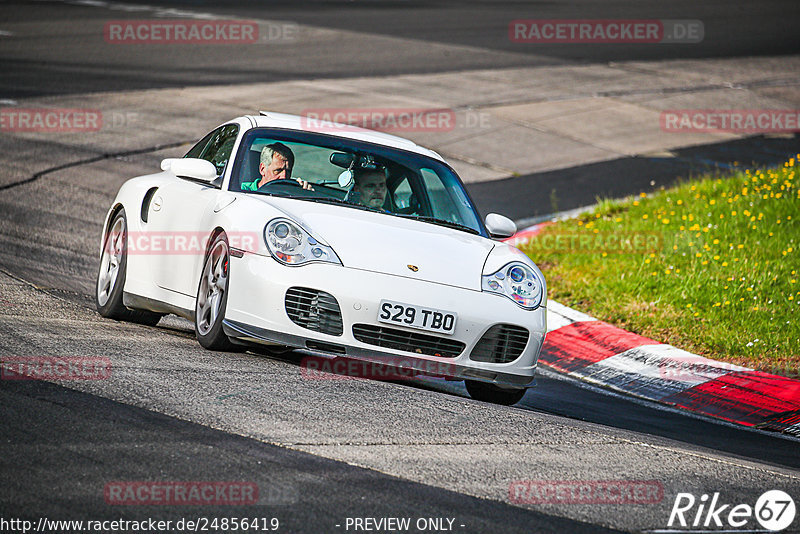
276, 163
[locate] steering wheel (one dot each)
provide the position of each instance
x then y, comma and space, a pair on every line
281, 182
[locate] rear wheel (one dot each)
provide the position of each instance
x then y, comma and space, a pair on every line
490, 393
111, 276
212, 297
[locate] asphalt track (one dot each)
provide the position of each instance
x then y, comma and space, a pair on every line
324, 451
437, 36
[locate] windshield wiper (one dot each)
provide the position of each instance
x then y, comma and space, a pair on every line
332, 200
441, 222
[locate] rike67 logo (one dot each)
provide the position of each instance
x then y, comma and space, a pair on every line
774, 510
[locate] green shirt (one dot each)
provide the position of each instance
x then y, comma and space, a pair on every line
250, 186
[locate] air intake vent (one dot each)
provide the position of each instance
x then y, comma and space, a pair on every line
314, 310
392, 338
502, 343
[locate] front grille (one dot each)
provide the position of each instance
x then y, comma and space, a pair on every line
391, 338
315, 310
502, 343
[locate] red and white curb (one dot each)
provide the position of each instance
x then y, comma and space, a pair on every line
583, 347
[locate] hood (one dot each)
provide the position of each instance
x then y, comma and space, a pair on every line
387, 244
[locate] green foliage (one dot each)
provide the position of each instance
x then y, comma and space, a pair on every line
722, 281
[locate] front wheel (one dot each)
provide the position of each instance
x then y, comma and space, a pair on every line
212, 297
490, 393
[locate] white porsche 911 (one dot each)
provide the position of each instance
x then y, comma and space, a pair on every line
336, 240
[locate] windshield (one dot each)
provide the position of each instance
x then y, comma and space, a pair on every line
354, 174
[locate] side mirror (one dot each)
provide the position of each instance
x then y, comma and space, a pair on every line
500, 226
191, 168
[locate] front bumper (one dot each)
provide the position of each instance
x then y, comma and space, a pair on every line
256, 313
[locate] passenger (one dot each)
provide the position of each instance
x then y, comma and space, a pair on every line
276, 163
370, 189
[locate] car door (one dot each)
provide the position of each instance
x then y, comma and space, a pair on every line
180, 214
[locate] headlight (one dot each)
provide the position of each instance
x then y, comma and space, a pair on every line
291, 245
518, 282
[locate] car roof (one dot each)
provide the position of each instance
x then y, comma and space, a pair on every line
269, 119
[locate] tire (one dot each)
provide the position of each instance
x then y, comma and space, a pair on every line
490, 393
111, 276
212, 297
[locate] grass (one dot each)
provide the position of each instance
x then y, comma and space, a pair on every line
710, 266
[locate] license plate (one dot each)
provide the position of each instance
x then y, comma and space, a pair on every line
430, 319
